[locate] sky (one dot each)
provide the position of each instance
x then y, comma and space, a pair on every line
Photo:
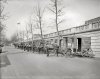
76, 12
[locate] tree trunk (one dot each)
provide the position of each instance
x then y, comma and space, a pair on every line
57, 22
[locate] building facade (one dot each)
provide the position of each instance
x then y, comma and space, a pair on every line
80, 37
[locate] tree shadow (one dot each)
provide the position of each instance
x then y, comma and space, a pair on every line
4, 61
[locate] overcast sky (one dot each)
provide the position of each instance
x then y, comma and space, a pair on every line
76, 12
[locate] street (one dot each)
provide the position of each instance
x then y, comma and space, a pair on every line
19, 64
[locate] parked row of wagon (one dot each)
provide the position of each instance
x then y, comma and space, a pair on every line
46, 48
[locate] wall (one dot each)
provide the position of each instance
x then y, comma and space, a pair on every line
86, 42
95, 40
89, 32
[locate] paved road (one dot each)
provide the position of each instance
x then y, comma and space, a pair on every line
17, 64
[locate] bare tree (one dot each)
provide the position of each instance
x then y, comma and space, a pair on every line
14, 38
38, 17
27, 32
21, 36
2, 17
31, 29
57, 9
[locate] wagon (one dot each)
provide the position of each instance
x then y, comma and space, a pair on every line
85, 53
88, 53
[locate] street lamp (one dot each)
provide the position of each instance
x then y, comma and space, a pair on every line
18, 23
18, 30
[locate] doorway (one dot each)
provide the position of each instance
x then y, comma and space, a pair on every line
79, 44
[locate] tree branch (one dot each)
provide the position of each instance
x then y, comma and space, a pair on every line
52, 10
60, 21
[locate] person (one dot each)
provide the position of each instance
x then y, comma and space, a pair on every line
56, 47
68, 51
47, 49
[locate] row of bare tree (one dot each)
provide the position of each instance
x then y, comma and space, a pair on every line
36, 20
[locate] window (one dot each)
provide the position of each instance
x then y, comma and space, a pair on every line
82, 28
56, 40
95, 25
99, 24
86, 26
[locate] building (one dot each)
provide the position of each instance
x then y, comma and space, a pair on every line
80, 37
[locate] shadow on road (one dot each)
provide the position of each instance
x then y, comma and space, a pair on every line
4, 61
4, 51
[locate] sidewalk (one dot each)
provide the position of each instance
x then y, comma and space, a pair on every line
7, 70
